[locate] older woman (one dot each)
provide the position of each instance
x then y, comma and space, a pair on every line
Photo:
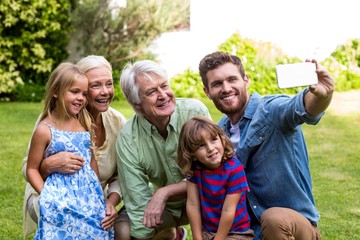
108, 123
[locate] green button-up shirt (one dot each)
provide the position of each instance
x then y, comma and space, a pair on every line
147, 162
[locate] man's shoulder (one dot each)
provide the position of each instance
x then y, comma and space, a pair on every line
130, 128
276, 104
269, 102
188, 102
274, 97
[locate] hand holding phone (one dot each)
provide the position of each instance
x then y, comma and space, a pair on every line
296, 74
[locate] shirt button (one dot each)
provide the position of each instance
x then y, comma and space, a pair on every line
254, 207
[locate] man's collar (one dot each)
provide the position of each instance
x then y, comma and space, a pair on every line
149, 127
252, 105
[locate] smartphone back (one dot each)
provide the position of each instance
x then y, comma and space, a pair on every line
296, 74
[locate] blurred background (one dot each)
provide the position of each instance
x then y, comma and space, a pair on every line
37, 35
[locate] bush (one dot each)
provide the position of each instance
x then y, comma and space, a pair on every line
188, 85
118, 92
344, 65
30, 92
33, 40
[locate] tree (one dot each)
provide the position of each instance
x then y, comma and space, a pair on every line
122, 34
33, 40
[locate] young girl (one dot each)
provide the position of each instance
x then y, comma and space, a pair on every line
216, 186
71, 205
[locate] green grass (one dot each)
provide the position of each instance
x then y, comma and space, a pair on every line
333, 148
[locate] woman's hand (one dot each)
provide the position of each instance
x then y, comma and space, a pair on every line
111, 214
62, 162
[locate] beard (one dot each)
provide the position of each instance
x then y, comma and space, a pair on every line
236, 107
230, 110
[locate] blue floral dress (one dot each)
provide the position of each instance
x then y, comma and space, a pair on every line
72, 205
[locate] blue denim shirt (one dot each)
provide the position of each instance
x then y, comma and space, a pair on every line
273, 151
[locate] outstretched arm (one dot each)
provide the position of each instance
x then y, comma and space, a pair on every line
319, 96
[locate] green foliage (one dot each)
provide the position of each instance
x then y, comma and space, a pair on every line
349, 53
123, 34
118, 34
30, 92
118, 92
34, 34
33, 40
187, 84
344, 64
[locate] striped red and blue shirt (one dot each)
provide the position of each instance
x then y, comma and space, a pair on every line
213, 187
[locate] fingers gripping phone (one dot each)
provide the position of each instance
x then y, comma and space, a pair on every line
296, 74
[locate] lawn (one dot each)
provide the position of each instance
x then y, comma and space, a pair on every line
333, 148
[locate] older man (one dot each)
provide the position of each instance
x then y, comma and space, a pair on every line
152, 185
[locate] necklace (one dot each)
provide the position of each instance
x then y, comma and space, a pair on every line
54, 121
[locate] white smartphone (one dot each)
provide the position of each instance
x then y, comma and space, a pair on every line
296, 74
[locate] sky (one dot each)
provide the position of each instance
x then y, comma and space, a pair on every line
302, 28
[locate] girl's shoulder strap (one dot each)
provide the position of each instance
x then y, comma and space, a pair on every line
47, 124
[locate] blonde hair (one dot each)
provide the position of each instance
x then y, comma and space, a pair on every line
60, 81
93, 61
190, 139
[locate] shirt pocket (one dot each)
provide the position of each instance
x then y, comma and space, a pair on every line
260, 146
257, 136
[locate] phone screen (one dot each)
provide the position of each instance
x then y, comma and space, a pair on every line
296, 75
